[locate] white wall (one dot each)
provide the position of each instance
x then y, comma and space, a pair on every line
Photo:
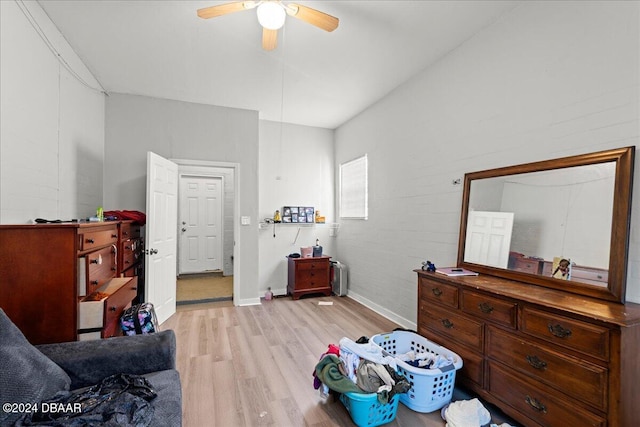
51, 123
550, 79
296, 169
181, 130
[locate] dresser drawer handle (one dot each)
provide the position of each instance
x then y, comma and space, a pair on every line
93, 261
485, 307
536, 362
559, 331
436, 291
447, 323
112, 308
114, 236
90, 241
536, 404
94, 282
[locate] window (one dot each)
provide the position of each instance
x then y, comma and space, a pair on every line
353, 189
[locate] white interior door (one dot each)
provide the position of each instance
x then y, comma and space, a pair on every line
200, 224
488, 238
161, 235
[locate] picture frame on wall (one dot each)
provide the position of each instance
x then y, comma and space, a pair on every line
298, 214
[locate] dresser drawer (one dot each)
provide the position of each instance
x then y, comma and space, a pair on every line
90, 239
492, 309
99, 268
303, 265
589, 275
450, 324
130, 231
131, 251
528, 265
580, 336
115, 305
471, 372
580, 379
440, 292
103, 313
538, 402
309, 279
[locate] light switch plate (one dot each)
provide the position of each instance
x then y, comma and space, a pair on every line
245, 220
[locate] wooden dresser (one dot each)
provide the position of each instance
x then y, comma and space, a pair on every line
47, 269
309, 276
545, 357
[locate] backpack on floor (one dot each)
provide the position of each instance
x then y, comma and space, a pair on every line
139, 319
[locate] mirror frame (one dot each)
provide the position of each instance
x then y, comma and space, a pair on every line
619, 247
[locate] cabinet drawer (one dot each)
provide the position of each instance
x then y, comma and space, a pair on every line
589, 275
527, 265
130, 231
98, 238
450, 324
489, 308
584, 337
471, 371
115, 305
579, 379
539, 403
100, 268
131, 251
309, 279
312, 265
441, 292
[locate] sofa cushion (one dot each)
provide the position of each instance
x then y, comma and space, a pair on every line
167, 405
26, 375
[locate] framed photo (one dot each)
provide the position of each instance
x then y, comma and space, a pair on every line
298, 214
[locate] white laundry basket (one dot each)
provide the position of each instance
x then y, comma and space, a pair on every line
431, 389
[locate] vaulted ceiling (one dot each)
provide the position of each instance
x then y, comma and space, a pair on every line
163, 49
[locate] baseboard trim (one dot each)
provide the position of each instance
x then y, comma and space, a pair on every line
204, 301
405, 323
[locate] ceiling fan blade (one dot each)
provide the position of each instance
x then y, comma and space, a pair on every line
313, 17
223, 9
269, 39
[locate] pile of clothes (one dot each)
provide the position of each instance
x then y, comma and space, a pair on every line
358, 367
426, 360
468, 413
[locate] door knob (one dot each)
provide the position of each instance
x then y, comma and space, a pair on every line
184, 229
184, 223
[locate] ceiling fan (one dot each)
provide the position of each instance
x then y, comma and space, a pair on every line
271, 15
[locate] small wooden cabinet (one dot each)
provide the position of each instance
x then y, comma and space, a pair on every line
46, 270
545, 357
309, 276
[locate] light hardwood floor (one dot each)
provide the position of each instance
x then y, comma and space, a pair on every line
252, 366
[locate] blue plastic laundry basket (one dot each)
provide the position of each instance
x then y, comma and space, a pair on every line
367, 411
431, 389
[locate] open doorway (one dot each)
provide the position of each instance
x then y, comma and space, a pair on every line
206, 227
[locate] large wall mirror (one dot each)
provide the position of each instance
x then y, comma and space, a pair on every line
561, 223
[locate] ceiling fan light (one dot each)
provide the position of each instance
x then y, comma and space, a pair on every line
271, 15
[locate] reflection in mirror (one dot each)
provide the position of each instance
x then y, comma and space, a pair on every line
561, 223
555, 214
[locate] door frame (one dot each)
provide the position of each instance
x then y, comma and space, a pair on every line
182, 175
195, 167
